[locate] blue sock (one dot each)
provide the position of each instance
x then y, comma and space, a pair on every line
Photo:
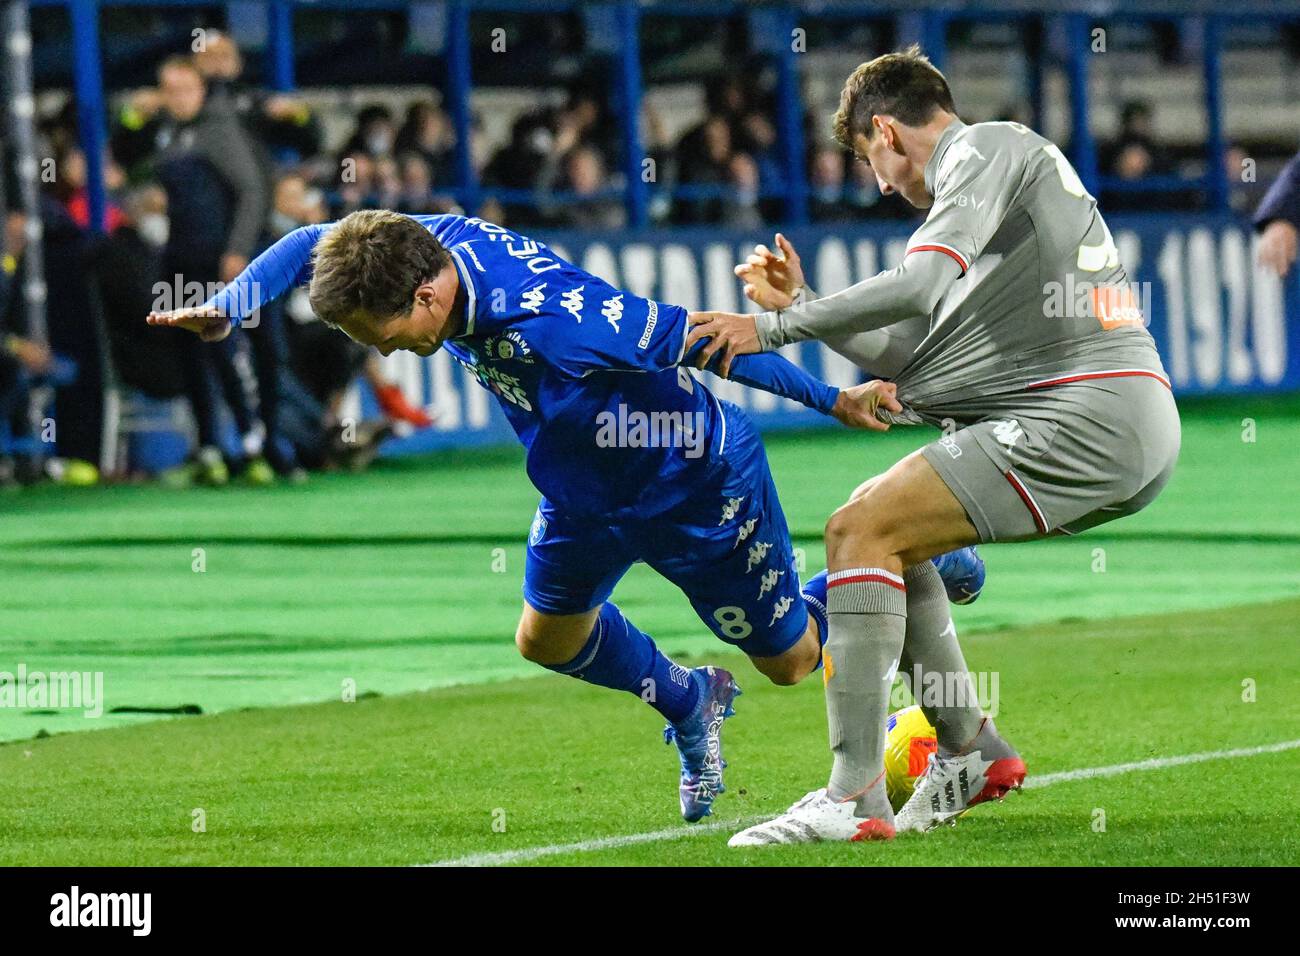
617, 655
814, 596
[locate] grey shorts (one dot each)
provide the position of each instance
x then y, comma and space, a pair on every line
1063, 459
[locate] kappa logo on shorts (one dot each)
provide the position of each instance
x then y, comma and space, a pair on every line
768, 580
756, 554
949, 444
746, 530
730, 509
780, 608
1008, 432
538, 530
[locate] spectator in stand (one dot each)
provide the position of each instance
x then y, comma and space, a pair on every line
826, 199
1277, 220
127, 264
740, 204
69, 187
1135, 155
387, 193
756, 136
356, 181
217, 206
283, 124
22, 358
416, 185
579, 177
704, 155
375, 134
428, 133
517, 165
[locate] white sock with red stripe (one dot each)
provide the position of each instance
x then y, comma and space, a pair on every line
868, 619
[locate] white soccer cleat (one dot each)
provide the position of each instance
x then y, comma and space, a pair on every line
989, 770
813, 819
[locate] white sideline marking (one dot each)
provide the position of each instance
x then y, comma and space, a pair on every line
682, 832
1157, 763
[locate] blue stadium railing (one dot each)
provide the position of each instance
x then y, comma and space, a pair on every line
1069, 22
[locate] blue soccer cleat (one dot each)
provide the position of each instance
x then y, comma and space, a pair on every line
699, 741
963, 574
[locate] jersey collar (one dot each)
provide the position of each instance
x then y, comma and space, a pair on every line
940, 147
471, 295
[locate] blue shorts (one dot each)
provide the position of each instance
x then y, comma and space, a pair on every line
727, 547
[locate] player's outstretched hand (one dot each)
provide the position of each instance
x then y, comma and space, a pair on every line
730, 334
772, 278
856, 406
209, 324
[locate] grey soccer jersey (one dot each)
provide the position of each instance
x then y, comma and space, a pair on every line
1016, 271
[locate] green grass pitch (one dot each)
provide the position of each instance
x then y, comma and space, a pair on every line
1172, 633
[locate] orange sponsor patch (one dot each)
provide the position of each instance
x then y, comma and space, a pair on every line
1115, 306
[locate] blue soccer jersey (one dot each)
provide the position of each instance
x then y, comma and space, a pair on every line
589, 376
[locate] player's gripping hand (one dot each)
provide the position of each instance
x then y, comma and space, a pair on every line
730, 333
856, 406
209, 324
772, 279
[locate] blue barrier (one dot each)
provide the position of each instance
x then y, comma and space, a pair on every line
1222, 325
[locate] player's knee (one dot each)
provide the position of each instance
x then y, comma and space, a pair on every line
529, 643
534, 642
847, 528
794, 665
782, 671
858, 531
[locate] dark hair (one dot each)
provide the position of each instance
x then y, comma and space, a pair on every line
905, 85
372, 262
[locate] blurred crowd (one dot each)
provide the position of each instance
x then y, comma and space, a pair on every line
204, 170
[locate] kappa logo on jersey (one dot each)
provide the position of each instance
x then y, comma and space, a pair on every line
612, 310
571, 302
730, 509
779, 610
768, 580
651, 319
756, 555
532, 299
1008, 432
746, 530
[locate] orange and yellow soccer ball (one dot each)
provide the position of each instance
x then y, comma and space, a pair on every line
908, 746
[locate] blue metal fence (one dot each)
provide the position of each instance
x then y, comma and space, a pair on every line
1067, 24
